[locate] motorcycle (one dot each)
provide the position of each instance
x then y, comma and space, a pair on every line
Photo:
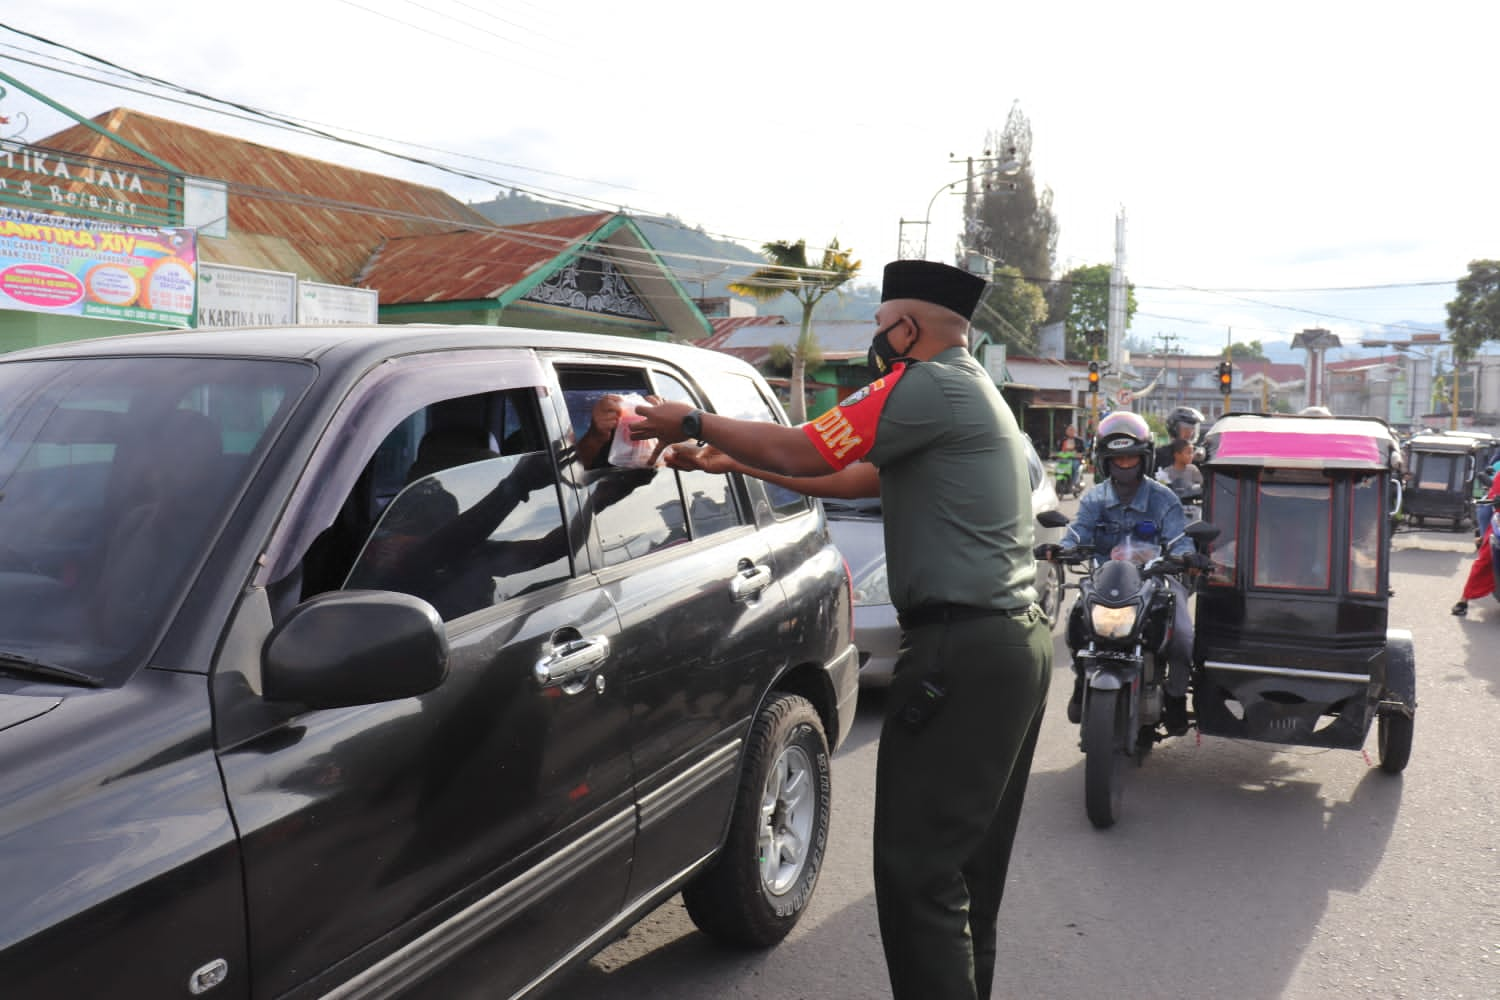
1120, 641
1067, 470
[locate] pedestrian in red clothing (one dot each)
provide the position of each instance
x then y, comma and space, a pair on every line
1481, 579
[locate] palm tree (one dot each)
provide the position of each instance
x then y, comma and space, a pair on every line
788, 271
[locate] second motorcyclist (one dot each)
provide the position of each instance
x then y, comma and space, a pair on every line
1183, 424
1127, 503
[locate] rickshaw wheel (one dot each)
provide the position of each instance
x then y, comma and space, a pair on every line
1393, 731
1104, 760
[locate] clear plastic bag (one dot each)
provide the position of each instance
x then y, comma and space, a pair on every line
623, 452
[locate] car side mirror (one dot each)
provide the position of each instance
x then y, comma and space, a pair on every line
355, 647
1052, 519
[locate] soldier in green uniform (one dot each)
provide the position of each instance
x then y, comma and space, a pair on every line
933, 439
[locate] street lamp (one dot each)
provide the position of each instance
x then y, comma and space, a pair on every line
1007, 169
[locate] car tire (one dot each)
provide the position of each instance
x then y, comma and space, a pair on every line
758, 887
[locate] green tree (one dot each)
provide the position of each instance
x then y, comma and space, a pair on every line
1006, 218
1247, 352
788, 271
1081, 301
1474, 314
1011, 309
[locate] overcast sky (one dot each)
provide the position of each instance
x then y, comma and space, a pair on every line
1263, 154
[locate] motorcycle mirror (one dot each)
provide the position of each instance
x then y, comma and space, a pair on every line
1052, 519
1201, 531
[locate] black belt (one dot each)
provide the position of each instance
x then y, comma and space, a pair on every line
942, 614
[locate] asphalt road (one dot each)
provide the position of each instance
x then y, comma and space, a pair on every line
1239, 870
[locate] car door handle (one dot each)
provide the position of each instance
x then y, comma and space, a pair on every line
570, 659
749, 582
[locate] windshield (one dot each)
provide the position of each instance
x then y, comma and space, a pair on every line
115, 474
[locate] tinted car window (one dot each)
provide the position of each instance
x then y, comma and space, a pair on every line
710, 502
737, 396
635, 511
115, 474
469, 537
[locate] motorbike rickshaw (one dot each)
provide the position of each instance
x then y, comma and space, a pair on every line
1442, 467
1293, 643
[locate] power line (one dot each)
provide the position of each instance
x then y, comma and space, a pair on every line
290, 123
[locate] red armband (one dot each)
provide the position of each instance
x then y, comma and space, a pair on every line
846, 433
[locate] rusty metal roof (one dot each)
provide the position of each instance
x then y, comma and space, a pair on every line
287, 212
472, 265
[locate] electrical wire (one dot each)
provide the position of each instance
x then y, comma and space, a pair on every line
260, 116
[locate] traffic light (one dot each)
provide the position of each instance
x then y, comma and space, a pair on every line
1093, 376
1226, 377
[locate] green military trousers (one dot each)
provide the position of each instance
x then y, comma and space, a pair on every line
948, 798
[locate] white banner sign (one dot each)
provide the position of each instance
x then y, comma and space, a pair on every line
337, 304
241, 296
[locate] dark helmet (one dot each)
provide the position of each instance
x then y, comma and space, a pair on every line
1184, 415
1122, 433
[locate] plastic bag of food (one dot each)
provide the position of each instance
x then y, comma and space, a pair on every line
623, 452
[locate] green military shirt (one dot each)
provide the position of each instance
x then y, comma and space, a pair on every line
954, 489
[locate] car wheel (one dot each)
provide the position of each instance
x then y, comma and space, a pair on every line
756, 890
1050, 581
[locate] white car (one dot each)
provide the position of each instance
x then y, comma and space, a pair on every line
860, 535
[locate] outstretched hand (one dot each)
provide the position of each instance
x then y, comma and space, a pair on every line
661, 421
695, 458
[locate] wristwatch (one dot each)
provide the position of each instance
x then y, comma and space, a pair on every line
692, 426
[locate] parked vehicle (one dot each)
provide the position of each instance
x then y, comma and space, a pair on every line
336, 661
1293, 643
1444, 473
1121, 641
860, 534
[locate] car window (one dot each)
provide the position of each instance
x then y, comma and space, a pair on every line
634, 511
1034, 466
710, 502
470, 536
738, 396
458, 504
115, 474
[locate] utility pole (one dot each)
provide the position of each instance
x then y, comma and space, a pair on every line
1168, 339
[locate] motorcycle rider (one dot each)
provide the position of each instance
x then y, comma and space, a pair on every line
1110, 513
1183, 423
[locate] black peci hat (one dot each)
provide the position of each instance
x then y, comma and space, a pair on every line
929, 281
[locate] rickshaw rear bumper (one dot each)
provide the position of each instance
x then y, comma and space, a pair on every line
1258, 698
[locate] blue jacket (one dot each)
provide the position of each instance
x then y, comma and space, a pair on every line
1103, 521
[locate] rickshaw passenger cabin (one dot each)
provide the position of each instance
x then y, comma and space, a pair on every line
1293, 643
1442, 468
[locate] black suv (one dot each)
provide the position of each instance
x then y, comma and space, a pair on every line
333, 661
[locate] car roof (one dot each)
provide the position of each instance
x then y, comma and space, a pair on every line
361, 346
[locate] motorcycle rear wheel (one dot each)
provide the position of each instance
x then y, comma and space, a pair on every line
1104, 724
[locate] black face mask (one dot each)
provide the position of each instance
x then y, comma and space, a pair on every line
882, 355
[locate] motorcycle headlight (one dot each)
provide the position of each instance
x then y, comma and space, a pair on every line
1112, 623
